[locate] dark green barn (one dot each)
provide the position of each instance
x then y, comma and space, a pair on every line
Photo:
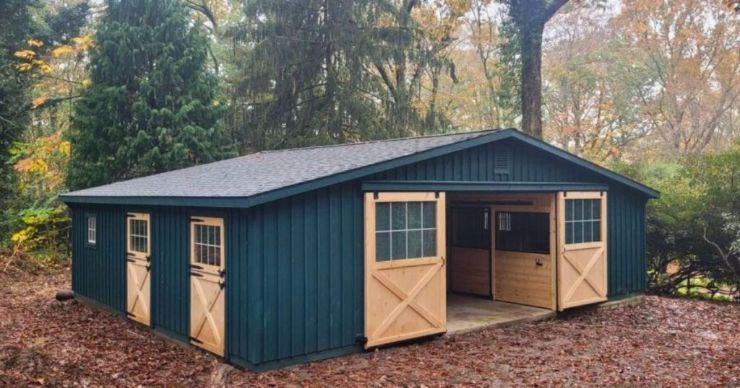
287, 256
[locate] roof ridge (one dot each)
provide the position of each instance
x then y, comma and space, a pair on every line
379, 141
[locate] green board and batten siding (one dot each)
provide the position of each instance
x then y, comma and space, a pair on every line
626, 218
99, 271
294, 285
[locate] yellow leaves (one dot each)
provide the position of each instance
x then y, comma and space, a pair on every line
22, 235
459, 7
43, 160
40, 100
65, 148
62, 51
31, 165
43, 66
32, 62
83, 42
25, 54
216, 103
24, 67
86, 83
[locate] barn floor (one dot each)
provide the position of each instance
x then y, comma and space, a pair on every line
470, 313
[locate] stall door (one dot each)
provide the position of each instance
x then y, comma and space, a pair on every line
138, 263
582, 245
405, 282
207, 276
469, 267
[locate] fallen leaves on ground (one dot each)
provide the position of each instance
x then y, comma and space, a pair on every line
661, 341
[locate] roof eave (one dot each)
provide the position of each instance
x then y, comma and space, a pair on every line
299, 188
647, 191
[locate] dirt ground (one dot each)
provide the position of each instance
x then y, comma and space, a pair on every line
665, 342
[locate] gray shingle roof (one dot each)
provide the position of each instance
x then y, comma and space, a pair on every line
266, 171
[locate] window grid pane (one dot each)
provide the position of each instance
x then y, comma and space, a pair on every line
582, 220
139, 235
91, 229
207, 240
405, 230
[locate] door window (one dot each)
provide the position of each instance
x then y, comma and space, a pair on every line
405, 230
582, 220
138, 233
207, 242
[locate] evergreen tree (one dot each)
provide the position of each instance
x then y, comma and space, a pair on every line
326, 71
152, 105
15, 28
301, 74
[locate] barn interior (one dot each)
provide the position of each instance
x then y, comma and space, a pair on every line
501, 259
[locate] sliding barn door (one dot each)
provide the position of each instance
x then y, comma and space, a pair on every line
138, 263
207, 282
405, 281
582, 248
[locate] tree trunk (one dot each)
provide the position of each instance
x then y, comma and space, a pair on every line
531, 93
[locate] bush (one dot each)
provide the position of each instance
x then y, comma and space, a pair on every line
693, 229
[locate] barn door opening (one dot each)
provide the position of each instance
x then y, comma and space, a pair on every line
138, 263
405, 281
207, 282
582, 248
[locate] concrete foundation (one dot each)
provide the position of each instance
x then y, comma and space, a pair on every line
470, 313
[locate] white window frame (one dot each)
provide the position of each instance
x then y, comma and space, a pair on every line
207, 221
92, 229
582, 221
129, 233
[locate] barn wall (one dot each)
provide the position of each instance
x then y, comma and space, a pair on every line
300, 287
99, 271
626, 229
170, 270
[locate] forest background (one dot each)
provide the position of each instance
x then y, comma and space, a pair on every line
97, 91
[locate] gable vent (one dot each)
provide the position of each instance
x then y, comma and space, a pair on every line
502, 161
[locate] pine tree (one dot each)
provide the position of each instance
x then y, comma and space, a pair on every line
300, 78
327, 71
152, 105
15, 27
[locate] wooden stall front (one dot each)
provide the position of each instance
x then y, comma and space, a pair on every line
520, 233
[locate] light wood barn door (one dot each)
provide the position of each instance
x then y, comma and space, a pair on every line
405, 280
582, 248
138, 262
207, 283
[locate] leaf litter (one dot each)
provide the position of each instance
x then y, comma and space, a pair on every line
661, 342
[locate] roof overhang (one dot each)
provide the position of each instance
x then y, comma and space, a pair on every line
213, 202
358, 173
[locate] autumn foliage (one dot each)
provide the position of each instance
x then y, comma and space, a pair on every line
650, 88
